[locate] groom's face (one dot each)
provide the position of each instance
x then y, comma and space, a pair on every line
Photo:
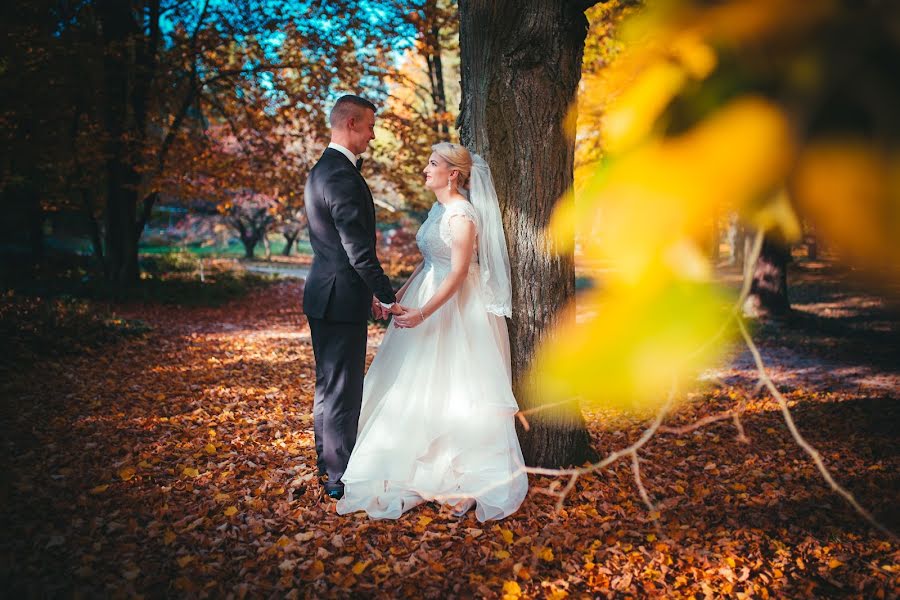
362, 131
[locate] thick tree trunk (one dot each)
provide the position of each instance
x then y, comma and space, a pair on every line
521, 63
121, 240
119, 33
769, 290
96, 239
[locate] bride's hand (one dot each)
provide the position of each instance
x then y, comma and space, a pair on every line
411, 318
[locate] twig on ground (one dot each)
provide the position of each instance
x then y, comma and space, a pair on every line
801, 441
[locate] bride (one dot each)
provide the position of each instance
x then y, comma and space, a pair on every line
437, 420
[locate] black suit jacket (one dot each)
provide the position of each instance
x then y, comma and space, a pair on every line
345, 272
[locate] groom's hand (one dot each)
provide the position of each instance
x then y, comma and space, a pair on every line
397, 310
377, 309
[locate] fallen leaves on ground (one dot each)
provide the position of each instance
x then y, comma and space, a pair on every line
182, 463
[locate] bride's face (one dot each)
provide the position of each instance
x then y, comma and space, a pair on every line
438, 172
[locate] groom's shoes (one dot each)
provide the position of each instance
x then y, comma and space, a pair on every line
335, 492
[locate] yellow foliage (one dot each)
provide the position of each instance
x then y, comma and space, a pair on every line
691, 130
511, 590
852, 194
628, 355
649, 201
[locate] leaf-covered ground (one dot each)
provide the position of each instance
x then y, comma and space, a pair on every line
181, 463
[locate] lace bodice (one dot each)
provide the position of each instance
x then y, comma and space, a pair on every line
434, 237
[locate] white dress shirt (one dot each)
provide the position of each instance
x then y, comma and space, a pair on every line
352, 158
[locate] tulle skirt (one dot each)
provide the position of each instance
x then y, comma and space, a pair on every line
437, 419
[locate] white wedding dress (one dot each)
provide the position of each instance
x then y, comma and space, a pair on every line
437, 420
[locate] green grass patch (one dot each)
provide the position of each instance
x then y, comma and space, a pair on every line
234, 249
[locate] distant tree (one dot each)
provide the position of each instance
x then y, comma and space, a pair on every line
251, 215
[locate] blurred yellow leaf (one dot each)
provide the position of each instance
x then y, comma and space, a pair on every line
851, 192
511, 590
210, 448
99, 489
507, 535
501, 554
629, 353
651, 202
634, 113
127, 473
697, 56
231, 510
190, 472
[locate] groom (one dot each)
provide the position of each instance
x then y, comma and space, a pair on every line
338, 294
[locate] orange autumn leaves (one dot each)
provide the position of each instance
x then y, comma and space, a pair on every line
677, 153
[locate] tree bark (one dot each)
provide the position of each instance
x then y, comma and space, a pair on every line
87, 196
119, 34
521, 64
769, 290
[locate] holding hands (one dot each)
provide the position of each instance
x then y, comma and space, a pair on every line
379, 311
410, 318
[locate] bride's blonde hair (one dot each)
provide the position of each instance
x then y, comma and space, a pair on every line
458, 157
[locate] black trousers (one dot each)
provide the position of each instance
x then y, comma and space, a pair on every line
340, 351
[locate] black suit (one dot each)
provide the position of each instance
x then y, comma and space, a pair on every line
337, 300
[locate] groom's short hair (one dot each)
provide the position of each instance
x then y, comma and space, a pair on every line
348, 106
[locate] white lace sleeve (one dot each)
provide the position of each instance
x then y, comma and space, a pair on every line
457, 209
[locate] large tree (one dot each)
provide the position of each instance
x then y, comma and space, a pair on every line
521, 64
